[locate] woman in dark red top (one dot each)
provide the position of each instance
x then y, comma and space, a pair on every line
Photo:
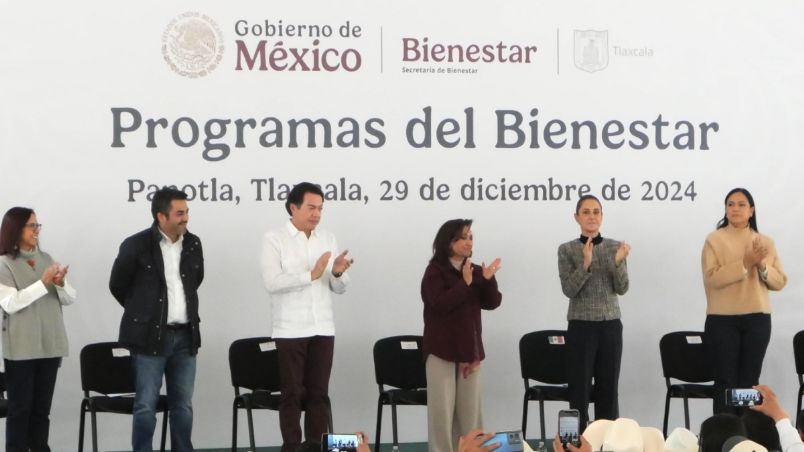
454, 291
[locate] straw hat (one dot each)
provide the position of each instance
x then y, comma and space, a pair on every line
623, 435
681, 440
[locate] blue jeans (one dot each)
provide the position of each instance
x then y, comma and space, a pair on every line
178, 366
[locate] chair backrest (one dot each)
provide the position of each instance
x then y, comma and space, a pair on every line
798, 351
2, 385
254, 364
684, 357
106, 368
543, 356
398, 362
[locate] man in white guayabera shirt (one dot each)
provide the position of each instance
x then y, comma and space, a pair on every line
301, 265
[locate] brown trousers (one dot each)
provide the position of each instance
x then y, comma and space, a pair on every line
304, 368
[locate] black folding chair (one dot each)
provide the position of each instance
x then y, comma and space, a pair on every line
398, 363
106, 369
254, 366
542, 358
684, 358
798, 351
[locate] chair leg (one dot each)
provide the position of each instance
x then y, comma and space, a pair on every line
163, 441
541, 418
666, 413
525, 416
234, 426
798, 407
94, 429
251, 441
393, 422
81, 426
686, 413
379, 425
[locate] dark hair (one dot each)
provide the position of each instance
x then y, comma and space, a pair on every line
717, 429
447, 233
751, 221
11, 230
162, 200
296, 195
761, 429
584, 198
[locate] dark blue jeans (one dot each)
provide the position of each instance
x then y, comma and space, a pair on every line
29, 384
736, 345
178, 366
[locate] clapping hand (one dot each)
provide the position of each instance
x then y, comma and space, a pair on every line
320, 266
49, 275
588, 247
756, 254
488, 272
467, 271
58, 278
622, 253
341, 263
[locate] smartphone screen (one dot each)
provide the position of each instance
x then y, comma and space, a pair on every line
568, 425
340, 443
509, 441
743, 397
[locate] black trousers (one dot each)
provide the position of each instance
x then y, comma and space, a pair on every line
30, 384
304, 368
736, 345
594, 350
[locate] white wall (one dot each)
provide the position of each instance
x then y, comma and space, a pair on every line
64, 67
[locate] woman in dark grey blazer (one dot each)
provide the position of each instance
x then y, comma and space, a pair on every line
593, 273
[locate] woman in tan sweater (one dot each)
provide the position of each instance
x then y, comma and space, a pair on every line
739, 265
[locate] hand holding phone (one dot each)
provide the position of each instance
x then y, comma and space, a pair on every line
569, 422
742, 397
510, 441
339, 442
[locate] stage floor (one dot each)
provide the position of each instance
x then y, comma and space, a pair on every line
404, 447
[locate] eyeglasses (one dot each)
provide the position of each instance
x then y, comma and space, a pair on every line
34, 226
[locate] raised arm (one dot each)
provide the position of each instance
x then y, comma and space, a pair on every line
439, 294
572, 276
13, 300
719, 274
276, 278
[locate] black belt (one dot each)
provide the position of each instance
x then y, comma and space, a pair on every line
177, 326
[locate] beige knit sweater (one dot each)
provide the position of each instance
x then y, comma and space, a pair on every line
730, 288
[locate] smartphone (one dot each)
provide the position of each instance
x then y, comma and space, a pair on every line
510, 441
743, 397
569, 422
338, 442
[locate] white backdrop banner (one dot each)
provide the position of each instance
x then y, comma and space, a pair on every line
407, 115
